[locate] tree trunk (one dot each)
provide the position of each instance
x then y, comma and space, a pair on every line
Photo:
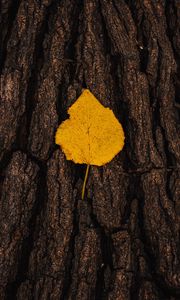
122, 241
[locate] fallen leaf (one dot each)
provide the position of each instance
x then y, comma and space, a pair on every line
92, 135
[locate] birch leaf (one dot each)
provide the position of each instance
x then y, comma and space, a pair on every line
92, 135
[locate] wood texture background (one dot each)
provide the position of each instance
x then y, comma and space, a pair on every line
122, 242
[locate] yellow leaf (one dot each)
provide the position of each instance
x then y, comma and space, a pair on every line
92, 135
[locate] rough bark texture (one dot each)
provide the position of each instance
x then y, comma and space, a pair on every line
122, 241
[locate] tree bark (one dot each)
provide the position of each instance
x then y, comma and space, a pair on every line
122, 241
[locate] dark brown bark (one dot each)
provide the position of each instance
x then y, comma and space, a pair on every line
122, 241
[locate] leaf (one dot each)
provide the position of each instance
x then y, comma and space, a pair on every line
92, 135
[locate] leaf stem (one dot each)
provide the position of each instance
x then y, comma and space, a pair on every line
85, 180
